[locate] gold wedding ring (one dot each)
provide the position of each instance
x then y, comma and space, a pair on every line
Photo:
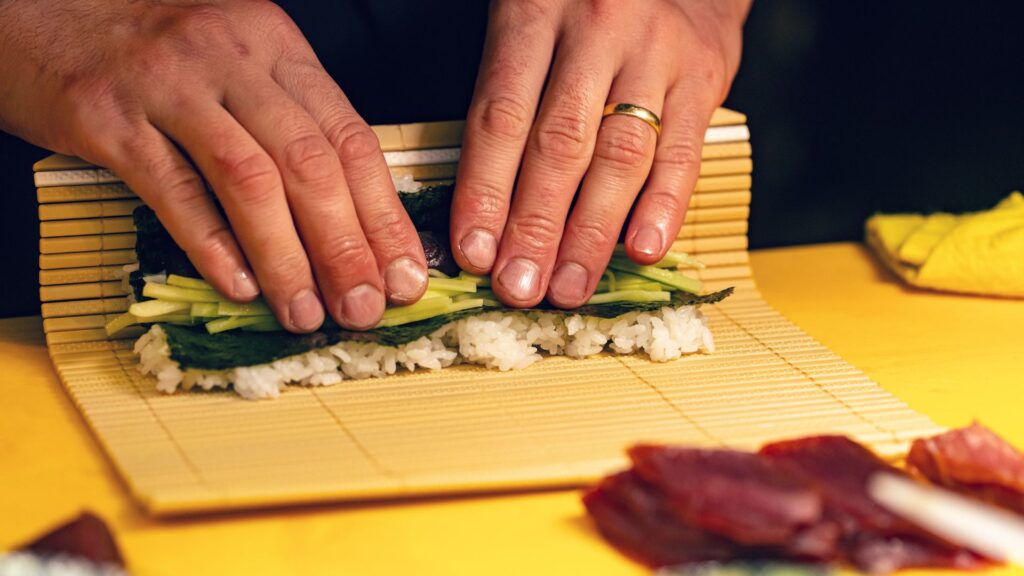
635, 111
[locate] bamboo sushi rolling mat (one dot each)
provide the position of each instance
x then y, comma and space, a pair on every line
561, 422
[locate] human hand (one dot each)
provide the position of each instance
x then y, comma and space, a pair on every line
314, 217
675, 58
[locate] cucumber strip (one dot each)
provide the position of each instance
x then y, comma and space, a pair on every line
268, 325
175, 318
120, 323
468, 295
150, 308
478, 280
630, 296
611, 280
416, 316
179, 294
429, 306
486, 296
204, 310
670, 278
439, 294
186, 282
257, 308
435, 273
678, 260
624, 278
672, 259
465, 305
638, 284
232, 322
450, 285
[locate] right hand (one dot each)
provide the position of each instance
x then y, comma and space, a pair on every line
314, 218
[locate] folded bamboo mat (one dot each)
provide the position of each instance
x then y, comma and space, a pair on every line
465, 429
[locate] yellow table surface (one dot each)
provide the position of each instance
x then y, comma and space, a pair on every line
955, 358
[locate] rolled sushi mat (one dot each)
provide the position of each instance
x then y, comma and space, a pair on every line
561, 422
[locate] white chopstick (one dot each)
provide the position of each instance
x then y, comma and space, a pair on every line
986, 529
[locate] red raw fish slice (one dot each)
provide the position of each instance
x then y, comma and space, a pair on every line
841, 468
875, 539
634, 517
974, 461
86, 537
743, 496
880, 555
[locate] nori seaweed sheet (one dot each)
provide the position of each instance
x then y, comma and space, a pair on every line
156, 250
194, 347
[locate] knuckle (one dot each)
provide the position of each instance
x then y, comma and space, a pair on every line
251, 176
484, 200
166, 53
505, 117
91, 100
592, 236
183, 185
601, 13
355, 141
706, 68
211, 245
282, 269
665, 32
388, 226
344, 251
201, 22
562, 136
197, 31
272, 14
278, 28
536, 231
682, 156
84, 88
309, 158
624, 145
664, 202
524, 12
713, 73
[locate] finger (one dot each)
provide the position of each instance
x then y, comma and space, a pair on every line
319, 198
391, 234
246, 181
662, 205
160, 175
620, 165
556, 157
515, 63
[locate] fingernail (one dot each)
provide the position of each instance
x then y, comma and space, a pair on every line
362, 306
244, 285
405, 278
305, 310
569, 283
521, 278
479, 247
648, 241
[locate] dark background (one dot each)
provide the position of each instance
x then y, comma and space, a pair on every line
855, 107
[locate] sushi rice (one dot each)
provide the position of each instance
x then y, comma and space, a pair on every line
498, 340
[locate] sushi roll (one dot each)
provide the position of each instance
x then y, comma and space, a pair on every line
199, 339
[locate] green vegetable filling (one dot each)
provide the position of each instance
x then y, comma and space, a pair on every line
207, 331
195, 347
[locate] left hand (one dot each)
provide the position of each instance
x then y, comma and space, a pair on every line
673, 57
